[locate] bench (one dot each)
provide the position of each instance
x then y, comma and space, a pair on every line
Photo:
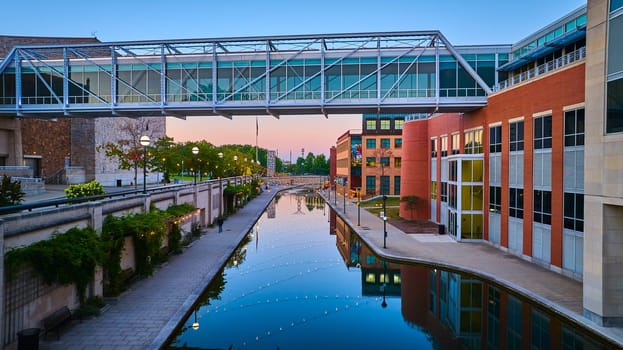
55, 320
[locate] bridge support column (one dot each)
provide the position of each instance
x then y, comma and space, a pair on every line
97, 221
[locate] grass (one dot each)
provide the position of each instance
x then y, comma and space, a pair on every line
378, 202
392, 213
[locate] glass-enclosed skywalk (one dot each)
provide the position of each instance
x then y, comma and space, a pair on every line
397, 72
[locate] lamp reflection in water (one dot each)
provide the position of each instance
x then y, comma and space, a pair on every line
195, 325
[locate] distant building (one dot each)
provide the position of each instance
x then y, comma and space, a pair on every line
271, 163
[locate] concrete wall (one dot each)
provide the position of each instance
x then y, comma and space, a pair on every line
25, 228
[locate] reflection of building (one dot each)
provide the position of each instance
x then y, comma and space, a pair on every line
462, 312
271, 211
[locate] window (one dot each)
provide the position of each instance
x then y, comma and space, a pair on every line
397, 162
444, 146
398, 143
515, 203
615, 4
385, 125
495, 139
452, 197
370, 185
370, 161
543, 132
574, 211
444, 191
574, 128
371, 143
433, 190
433, 148
385, 143
495, 199
384, 161
370, 124
397, 185
456, 143
516, 136
514, 322
473, 142
370, 259
543, 207
540, 337
614, 115
399, 123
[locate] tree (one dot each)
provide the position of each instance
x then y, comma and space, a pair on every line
412, 202
10, 192
128, 149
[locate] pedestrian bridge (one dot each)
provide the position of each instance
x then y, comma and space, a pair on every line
386, 72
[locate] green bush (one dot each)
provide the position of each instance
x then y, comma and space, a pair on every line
10, 192
92, 188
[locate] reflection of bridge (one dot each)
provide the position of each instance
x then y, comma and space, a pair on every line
309, 180
411, 72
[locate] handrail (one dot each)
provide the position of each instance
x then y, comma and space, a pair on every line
546, 67
61, 201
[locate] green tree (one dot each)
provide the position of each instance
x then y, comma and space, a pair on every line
10, 192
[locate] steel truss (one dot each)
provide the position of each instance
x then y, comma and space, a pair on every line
246, 94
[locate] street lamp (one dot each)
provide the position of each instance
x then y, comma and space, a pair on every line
358, 206
195, 324
236, 170
144, 141
220, 185
195, 151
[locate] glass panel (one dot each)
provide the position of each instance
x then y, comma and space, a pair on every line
615, 45
615, 4
614, 117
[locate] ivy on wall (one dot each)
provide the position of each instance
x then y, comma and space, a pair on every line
66, 258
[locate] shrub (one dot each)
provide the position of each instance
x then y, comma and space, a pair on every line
10, 192
88, 189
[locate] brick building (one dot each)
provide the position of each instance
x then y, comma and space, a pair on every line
65, 150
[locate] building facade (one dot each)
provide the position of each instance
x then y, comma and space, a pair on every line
538, 172
603, 243
381, 158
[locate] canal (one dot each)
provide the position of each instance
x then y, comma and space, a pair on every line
302, 279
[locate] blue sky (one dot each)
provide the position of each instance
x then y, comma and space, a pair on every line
463, 22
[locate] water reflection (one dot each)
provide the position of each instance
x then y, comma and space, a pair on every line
291, 289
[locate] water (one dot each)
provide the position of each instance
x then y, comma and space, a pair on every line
303, 280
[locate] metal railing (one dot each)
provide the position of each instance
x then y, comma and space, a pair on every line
546, 67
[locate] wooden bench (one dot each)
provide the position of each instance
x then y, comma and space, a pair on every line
54, 321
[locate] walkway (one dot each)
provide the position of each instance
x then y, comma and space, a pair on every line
549, 288
144, 316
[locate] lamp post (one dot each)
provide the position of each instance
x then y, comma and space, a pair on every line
144, 141
384, 206
358, 206
195, 151
335, 192
345, 182
236, 170
220, 185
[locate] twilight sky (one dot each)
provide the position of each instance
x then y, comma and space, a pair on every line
462, 22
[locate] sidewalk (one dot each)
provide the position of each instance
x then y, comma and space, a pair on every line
144, 316
549, 288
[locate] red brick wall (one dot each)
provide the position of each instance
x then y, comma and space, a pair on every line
552, 92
